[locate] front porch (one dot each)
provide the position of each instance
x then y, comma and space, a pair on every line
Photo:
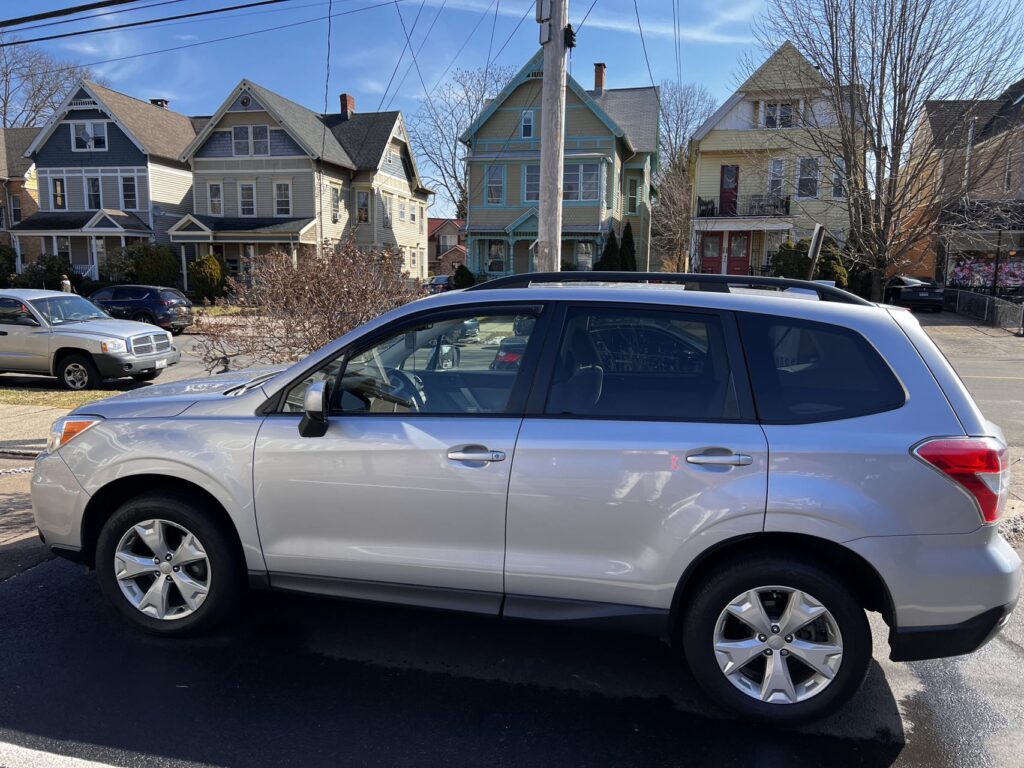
724, 250
512, 251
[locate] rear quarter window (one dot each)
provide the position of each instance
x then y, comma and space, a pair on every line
804, 371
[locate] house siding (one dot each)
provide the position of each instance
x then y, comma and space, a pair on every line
57, 152
171, 194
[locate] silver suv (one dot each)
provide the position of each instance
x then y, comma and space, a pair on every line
63, 335
743, 471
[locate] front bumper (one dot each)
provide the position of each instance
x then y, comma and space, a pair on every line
112, 366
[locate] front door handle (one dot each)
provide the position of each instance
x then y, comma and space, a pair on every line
475, 454
727, 460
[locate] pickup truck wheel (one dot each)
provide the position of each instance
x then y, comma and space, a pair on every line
777, 640
148, 376
77, 372
166, 565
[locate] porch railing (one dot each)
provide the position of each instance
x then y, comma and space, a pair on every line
743, 205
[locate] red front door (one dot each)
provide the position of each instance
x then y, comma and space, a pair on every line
711, 253
738, 262
728, 185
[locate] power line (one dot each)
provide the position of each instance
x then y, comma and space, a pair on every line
97, 15
423, 44
464, 44
586, 16
490, 44
323, 136
62, 12
145, 22
217, 39
647, 59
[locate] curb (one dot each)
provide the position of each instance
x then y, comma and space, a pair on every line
18, 453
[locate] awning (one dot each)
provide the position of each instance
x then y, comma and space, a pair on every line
108, 221
194, 228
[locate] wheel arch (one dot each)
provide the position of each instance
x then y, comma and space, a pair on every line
63, 352
106, 501
848, 566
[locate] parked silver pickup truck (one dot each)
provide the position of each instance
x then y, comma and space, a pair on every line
67, 336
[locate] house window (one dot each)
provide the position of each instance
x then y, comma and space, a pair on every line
443, 244
89, 137
363, 207
216, 198
387, 211
401, 210
335, 204
391, 156
15, 209
260, 140
776, 178
283, 198
581, 181
412, 212
531, 192
584, 256
495, 185
423, 215
94, 196
527, 124
129, 198
247, 199
807, 179
632, 193
778, 115
495, 255
838, 178
57, 194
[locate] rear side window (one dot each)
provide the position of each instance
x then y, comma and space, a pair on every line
130, 293
803, 371
642, 364
169, 294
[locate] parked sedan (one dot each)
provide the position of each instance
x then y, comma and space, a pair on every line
439, 284
165, 307
914, 293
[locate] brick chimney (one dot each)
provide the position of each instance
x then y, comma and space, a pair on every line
599, 69
162, 103
348, 105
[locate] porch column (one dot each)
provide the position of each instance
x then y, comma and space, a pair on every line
94, 264
122, 242
184, 270
510, 256
54, 244
17, 254
293, 251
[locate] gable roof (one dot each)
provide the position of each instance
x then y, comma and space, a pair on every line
779, 69
636, 110
435, 224
950, 121
13, 144
364, 136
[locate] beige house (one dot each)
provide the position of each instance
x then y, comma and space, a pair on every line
270, 174
761, 170
19, 198
611, 151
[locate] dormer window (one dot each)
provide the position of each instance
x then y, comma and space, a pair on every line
778, 114
89, 137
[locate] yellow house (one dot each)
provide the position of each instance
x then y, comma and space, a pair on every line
765, 170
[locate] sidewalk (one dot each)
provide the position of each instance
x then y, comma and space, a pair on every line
24, 428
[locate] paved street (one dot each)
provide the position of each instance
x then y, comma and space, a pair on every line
304, 681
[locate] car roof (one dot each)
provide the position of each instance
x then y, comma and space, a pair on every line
28, 294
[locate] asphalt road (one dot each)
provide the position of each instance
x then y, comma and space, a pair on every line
306, 682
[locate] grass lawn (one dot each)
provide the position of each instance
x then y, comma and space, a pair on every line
217, 311
51, 398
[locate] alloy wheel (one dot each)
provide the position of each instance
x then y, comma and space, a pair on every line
778, 645
162, 569
76, 376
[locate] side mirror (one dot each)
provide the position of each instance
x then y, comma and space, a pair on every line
314, 409
448, 357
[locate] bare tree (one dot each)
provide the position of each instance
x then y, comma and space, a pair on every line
291, 311
33, 84
443, 117
877, 64
684, 106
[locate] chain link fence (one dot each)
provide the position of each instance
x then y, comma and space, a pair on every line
986, 309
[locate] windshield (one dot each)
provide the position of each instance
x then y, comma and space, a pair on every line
68, 309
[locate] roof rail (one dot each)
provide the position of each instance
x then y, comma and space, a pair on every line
692, 281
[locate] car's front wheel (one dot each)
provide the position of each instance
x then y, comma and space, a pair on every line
776, 640
167, 566
77, 372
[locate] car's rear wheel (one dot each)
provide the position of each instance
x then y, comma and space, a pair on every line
167, 567
78, 372
776, 640
143, 317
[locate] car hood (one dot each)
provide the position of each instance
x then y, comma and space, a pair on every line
106, 327
174, 398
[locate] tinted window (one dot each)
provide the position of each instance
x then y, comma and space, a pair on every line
169, 294
804, 371
13, 312
642, 364
103, 295
130, 293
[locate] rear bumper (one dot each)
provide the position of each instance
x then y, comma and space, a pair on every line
918, 643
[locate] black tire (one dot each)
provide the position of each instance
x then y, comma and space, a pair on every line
226, 570
143, 317
177, 331
733, 578
78, 372
149, 376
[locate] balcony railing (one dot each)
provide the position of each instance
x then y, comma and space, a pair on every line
742, 205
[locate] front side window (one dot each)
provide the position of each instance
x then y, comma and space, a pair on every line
779, 115
216, 195
642, 364
93, 193
807, 181
803, 371
14, 312
531, 190
283, 198
240, 140
58, 195
247, 199
495, 194
89, 137
838, 177
527, 124
129, 198
363, 207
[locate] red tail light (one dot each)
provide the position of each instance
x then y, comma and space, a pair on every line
980, 465
509, 357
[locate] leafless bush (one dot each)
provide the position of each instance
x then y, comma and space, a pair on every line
290, 310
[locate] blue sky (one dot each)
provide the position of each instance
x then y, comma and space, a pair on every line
366, 45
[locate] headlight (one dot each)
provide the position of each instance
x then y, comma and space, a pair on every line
67, 428
113, 345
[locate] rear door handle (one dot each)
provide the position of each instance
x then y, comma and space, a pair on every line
728, 460
480, 454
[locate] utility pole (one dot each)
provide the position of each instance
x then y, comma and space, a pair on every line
553, 17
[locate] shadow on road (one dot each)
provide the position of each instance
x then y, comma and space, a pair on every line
306, 681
